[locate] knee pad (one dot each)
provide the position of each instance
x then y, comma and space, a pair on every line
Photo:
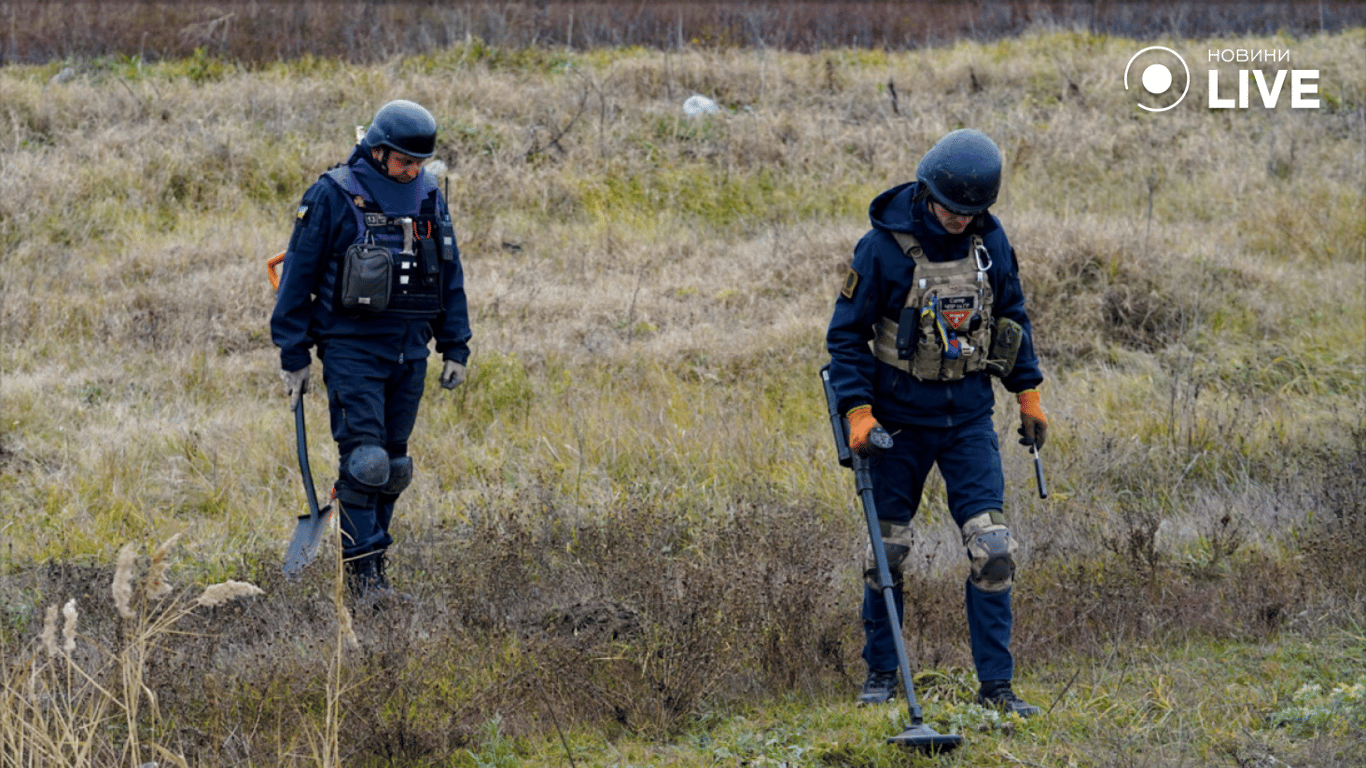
400, 475
368, 465
896, 542
991, 549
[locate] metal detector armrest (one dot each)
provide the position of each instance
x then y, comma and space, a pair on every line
878, 442
838, 425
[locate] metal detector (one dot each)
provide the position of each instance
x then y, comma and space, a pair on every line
917, 735
308, 533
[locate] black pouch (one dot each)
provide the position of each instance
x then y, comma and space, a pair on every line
907, 328
366, 279
1005, 346
429, 256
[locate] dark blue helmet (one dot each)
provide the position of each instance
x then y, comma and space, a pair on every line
405, 126
962, 171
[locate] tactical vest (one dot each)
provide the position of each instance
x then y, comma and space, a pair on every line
416, 245
944, 330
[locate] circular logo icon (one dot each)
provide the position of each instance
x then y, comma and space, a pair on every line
1157, 78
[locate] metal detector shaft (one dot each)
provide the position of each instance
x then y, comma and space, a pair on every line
1038, 471
863, 481
917, 735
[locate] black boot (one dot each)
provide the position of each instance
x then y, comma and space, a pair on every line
999, 696
367, 583
382, 581
879, 687
362, 577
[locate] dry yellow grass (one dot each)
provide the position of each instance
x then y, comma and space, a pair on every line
648, 296
602, 232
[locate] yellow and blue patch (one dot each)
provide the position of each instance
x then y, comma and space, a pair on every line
850, 283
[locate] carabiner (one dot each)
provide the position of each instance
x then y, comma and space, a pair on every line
979, 252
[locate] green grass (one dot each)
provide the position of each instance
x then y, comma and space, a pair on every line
1202, 702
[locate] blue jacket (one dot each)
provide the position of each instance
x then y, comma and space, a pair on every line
884, 277
325, 226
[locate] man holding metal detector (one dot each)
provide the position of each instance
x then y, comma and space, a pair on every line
371, 276
932, 308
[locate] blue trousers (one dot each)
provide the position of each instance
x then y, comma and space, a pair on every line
969, 458
373, 399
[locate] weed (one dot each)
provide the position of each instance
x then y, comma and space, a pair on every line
85, 702
1313, 711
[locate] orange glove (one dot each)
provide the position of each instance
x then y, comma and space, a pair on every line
1033, 424
861, 422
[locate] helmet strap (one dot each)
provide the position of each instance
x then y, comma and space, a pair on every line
383, 161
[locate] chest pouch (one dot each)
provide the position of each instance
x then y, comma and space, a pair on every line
948, 346
366, 279
945, 326
907, 331
429, 257
1005, 346
394, 268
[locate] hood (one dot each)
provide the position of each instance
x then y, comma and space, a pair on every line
896, 210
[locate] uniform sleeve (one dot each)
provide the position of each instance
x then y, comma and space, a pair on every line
451, 329
309, 247
852, 325
1010, 302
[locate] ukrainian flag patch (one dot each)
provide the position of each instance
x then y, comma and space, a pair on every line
850, 283
303, 210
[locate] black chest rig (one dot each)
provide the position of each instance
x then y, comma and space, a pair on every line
945, 328
394, 267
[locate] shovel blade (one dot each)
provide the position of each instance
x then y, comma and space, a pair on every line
925, 739
308, 536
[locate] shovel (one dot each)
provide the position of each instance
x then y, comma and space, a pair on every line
308, 533
917, 735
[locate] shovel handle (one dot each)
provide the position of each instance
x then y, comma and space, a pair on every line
301, 442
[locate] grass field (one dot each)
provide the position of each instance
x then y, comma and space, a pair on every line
628, 541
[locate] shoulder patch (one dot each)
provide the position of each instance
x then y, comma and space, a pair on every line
850, 283
302, 212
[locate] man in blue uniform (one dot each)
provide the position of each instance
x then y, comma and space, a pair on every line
930, 309
371, 275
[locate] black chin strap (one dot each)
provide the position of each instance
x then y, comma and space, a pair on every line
382, 164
